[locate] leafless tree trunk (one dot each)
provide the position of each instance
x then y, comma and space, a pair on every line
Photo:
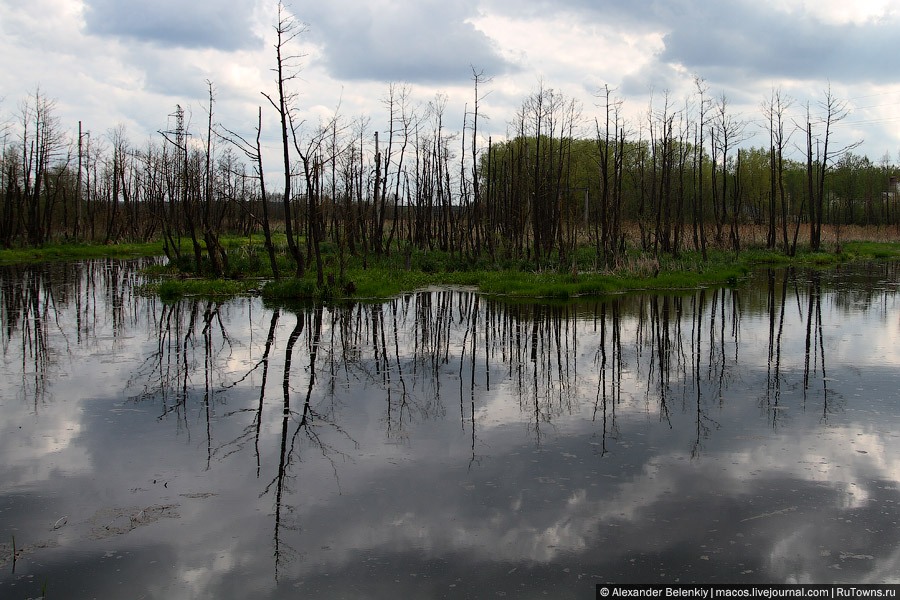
40, 147
730, 132
699, 228
287, 30
254, 153
835, 111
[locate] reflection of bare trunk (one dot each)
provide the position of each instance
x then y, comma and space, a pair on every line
608, 392
659, 355
809, 327
815, 342
717, 358
283, 455
185, 367
306, 424
535, 366
270, 338
207, 388
696, 342
472, 378
32, 305
254, 429
470, 319
821, 348
773, 376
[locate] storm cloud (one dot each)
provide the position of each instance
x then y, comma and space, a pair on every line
223, 25
109, 61
737, 39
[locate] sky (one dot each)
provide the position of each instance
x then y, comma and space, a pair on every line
126, 64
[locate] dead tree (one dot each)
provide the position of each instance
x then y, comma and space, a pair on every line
254, 153
287, 30
774, 110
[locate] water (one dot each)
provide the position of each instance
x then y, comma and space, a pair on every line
445, 445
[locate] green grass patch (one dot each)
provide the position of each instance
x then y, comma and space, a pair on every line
871, 250
388, 276
371, 277
175, 289
62, 252
289, 289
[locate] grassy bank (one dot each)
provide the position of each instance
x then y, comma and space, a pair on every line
384, 277
64, 252
387, 277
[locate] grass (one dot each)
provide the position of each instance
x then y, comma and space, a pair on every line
877, 250
64, 251
173, 289
388, 277
249, 271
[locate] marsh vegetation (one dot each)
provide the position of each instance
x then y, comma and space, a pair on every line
562, 191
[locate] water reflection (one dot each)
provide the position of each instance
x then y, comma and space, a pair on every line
33, 301
447, 444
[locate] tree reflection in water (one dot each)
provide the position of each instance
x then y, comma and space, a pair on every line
413, 347
534, 365
51, 311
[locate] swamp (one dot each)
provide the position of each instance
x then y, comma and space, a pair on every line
445, 443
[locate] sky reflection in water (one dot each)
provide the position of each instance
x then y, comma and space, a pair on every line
444, 444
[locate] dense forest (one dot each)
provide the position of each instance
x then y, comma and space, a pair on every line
680, 178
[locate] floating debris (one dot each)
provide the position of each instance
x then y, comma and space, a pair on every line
118, 521
846, 555
774, 513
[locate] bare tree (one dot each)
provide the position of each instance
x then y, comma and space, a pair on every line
286, 69
835, 111
314, 164
41, 144
217, 256
181, 184
254, 153
8, 179
117, 186
774, 110
698, 208
476, 220
605, 237
728, 133
399, 99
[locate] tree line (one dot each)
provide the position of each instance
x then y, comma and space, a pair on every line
679, 178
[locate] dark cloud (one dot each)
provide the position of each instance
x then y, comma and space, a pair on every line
655, 77
224, 25
737, 40
750, 42
417, 42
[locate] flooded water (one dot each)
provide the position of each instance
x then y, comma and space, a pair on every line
443, 444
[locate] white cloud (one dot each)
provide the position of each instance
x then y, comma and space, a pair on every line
108, 63
837, 11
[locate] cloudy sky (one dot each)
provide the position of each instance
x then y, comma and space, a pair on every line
128, 62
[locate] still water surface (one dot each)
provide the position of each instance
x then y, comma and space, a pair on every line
443, 444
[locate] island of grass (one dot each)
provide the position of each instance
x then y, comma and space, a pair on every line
67, 251
389, 276
359, 276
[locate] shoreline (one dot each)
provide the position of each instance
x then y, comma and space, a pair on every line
390, 276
